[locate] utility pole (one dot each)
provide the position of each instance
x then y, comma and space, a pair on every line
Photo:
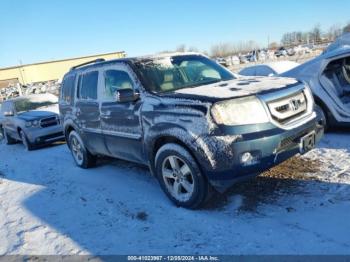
21, 74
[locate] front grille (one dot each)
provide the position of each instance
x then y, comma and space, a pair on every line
286, 109
50, 121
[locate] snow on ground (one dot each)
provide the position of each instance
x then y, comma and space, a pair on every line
50, 206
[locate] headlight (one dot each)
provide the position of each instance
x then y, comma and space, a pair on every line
241, 111
309, 97
34, 123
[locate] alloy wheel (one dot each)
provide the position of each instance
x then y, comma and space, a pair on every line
178, 178
77, 150
24, 140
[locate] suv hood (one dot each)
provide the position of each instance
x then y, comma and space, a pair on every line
36, 115
244, 86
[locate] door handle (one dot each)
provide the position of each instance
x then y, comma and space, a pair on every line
77, 112
106, 115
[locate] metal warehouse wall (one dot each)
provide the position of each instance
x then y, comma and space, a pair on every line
52, 70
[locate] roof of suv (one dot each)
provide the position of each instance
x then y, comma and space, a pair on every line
100, 62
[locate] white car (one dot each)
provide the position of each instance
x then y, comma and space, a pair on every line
270, 69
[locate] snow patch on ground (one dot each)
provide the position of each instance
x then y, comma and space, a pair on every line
50, 206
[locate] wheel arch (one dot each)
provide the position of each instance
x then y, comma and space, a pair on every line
167, 139
68, 127
329, 117
19, 129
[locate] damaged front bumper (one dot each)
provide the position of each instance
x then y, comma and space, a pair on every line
231, 158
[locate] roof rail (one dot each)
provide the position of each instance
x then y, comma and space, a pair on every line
87, 63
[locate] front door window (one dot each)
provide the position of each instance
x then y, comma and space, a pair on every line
116, 80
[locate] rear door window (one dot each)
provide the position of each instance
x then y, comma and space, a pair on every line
87, 86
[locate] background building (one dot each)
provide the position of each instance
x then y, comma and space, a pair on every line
46, 71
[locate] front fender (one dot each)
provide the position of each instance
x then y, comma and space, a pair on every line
172, 133
163, 131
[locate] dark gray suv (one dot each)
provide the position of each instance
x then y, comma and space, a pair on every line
187, 118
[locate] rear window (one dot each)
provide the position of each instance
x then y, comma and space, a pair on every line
67, 90
88, 85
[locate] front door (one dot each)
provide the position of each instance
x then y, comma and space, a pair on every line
120, 121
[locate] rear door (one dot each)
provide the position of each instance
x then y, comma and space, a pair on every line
87, 111
120, 121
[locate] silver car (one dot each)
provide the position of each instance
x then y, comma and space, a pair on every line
33, 120
328, 76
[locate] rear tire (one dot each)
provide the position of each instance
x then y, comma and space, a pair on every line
180, 177
8, 139
82, 157
27, 145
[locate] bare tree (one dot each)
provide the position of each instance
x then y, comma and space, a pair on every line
221, 50
316, 33
181, 48
193, 49
334, 31
273, 45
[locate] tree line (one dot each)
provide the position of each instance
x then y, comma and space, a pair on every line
314, 36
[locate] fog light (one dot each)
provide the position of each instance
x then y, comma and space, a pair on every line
249, 158
246, 157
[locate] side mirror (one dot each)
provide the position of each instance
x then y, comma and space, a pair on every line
8, 113
126, 95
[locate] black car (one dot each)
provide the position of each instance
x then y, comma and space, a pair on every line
33, 120
187, 118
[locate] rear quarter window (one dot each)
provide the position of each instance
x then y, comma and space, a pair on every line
67, 90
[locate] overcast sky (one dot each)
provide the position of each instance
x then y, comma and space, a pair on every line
40, 30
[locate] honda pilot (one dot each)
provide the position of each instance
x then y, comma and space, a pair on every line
197, 127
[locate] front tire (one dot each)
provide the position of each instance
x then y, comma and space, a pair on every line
27, 145
8, 139
82, 157
180, 177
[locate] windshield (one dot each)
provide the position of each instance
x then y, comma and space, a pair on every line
167, 74
34, 103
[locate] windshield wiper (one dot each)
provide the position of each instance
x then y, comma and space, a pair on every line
204, 83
